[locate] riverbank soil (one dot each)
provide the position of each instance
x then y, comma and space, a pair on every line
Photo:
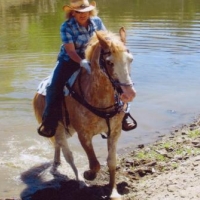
166, 170
169, 169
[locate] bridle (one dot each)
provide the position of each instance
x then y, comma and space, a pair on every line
107, 112
115, 83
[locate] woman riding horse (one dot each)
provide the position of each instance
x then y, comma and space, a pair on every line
81, 23
100, 108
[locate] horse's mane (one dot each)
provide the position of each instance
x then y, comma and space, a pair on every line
114, 42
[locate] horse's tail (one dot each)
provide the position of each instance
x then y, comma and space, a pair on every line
38, 106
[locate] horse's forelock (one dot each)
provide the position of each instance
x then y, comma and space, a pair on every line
116, 44
117, 47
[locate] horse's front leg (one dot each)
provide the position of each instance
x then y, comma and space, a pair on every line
112, 162
86, 142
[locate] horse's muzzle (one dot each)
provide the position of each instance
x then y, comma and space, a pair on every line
128, 94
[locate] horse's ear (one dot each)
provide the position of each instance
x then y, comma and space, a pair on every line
103, 42
122, 34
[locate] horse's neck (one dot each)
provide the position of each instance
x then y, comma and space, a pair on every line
100, 84
97, 88
101, 89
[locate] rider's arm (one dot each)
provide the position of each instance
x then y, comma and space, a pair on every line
70, 49
67, 39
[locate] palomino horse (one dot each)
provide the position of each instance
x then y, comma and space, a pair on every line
101, 110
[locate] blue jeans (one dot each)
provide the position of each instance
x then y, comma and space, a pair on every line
54, 97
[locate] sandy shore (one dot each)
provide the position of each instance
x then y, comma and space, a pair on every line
168, 169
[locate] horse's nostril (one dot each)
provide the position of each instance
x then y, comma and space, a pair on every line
119, 90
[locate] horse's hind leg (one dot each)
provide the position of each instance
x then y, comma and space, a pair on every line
61, 141
57, 160
57, 155
86, 142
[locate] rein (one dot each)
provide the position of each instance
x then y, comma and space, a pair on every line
100, 112
97, 111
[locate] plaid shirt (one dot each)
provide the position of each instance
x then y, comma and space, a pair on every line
72, 32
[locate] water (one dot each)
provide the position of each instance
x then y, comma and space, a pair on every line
164, 39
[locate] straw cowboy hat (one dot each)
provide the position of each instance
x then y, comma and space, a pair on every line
80, 6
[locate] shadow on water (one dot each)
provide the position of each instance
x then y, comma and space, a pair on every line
60, 187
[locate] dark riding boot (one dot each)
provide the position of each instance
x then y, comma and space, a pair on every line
52, 114
54, 98
126, 124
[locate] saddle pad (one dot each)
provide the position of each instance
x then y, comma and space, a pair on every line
42, 88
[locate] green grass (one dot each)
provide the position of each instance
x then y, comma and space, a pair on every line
175, 165
151, 155
167, 145
194, 134
173, 149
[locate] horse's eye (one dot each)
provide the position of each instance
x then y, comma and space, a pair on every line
109, 63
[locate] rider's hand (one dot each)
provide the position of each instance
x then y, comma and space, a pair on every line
86, 64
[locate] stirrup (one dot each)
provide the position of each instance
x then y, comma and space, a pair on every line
51, 132
134, 122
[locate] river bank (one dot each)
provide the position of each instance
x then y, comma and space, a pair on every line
168, 169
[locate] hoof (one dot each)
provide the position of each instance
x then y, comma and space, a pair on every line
81, 181
55, 167
89, 175
115, 198
82, 184
115, 195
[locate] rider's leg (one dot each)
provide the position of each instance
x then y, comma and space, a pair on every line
53, 107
